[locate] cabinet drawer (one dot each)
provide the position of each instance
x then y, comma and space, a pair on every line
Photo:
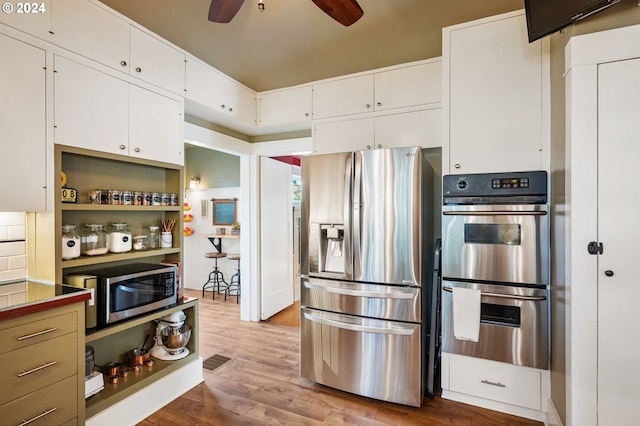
36, 366
34, 332
497, 381
58, 401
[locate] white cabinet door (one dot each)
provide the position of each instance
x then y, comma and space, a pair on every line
285, 106
91, 109
240, 102
418, 128
204, 84
156, 62
409, 86
91, 31
31, 17
347, 96
495, 97
618, 291
155, 124
343, 136
22, 127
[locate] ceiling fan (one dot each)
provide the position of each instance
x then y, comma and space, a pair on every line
344, 11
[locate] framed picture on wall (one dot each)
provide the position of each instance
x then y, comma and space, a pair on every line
224, 211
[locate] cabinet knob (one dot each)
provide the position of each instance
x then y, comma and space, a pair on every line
230, 109
137, 150
608, 273
138, 69
368, 146
368, 106
122, 147
222, 106
306, 114
379, 104
123, 63
457, 166
379, 145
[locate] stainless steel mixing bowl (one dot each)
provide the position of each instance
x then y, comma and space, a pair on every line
175, 339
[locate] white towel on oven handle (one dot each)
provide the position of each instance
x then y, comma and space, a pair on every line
466, 313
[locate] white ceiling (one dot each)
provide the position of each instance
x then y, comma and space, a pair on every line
294, 42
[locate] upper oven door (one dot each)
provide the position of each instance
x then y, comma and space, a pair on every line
496, 243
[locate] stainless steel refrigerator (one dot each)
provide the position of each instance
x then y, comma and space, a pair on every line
366, 258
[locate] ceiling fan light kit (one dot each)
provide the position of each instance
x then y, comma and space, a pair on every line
345, 12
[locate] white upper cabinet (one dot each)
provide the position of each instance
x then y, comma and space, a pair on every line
496, 89
91, 31
416, 128
156, 62
97, 111
214, 90
91, 108
353, 95
31, 17
155, 130
409, 86
285, 106
406, 86
22, 125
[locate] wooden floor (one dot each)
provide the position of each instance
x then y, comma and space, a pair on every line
261, 384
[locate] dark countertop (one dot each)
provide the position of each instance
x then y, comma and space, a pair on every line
24, 297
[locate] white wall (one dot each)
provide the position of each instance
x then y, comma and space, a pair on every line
13, 248
196, 266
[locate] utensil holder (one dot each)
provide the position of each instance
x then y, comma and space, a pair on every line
166, 240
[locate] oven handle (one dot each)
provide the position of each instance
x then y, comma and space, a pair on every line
506, 296
495, 213
360, 293
355, 327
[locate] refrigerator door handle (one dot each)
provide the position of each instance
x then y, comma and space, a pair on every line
360, 293
360, 328
355, 211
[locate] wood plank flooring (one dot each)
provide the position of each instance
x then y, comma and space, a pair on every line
261, 384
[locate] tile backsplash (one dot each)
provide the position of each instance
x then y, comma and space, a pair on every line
13, 247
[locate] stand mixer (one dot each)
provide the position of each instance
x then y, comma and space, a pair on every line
172, 336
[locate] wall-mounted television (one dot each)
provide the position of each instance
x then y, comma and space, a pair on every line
548, 16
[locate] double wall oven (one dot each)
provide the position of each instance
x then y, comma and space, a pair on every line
496, 241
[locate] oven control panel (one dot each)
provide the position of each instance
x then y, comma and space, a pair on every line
496, 188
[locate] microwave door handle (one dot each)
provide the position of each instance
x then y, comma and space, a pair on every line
360, 293
506, 296
360, 328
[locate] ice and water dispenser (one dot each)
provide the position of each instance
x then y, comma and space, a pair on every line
328, 252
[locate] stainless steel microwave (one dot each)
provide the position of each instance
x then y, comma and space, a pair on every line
130, 290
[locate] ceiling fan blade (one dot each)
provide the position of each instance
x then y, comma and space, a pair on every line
344, 11
223, 11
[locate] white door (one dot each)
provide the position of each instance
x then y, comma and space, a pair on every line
618, 207
276, 236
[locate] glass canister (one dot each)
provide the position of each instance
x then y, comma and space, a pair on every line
154, 237
94, 240
70, 242
119, 238
140, 242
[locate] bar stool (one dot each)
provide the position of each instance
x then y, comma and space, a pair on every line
216, 277
233, 288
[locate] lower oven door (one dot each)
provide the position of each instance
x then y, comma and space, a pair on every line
375, 358
513, 324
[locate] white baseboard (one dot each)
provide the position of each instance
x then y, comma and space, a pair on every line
553, 419
494, 405
141, 405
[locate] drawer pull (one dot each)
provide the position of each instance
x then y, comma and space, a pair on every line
45, 413
487, 382
33, 370
39, 333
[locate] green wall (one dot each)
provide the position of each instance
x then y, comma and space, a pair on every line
214, 168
